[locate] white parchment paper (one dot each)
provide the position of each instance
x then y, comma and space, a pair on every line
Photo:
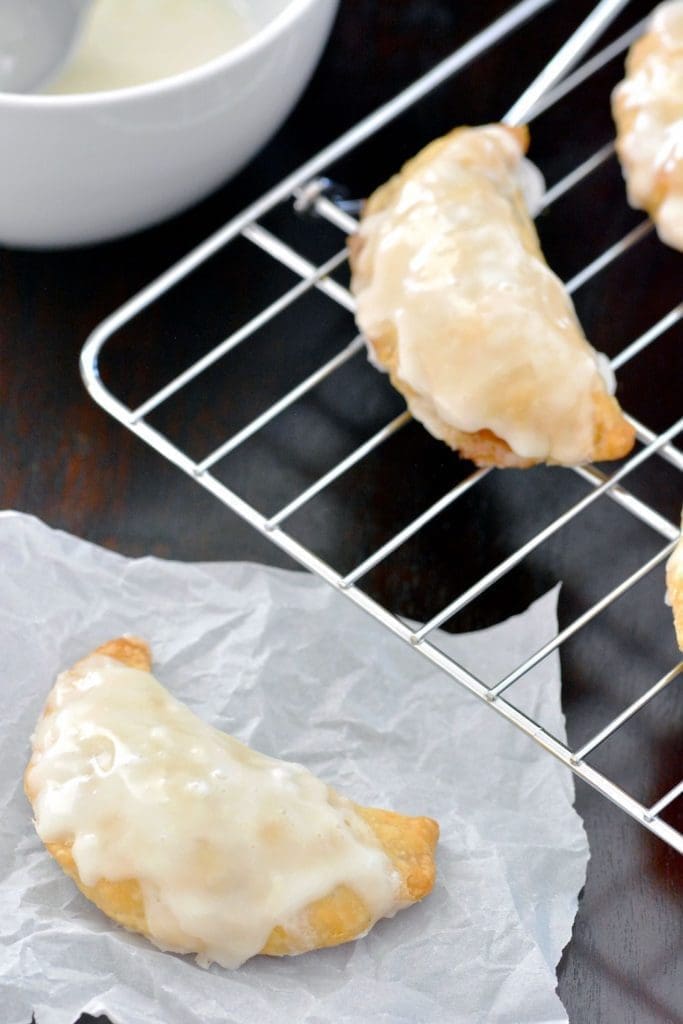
284, 663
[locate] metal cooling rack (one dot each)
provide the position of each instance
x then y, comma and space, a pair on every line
307, 191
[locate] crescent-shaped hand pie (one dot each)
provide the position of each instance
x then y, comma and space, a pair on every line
178, 831
674, 589
474, 329
648, 111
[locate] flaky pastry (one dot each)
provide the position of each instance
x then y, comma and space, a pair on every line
674, 589
648, 111
178, 831
460, 308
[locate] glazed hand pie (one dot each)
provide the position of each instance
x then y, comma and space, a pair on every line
458, 305
180, 832
674, 589
648, 111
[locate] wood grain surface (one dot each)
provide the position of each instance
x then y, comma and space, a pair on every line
64, 460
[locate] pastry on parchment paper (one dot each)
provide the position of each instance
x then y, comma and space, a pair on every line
648, 111
460, 308
674, 589
178, 831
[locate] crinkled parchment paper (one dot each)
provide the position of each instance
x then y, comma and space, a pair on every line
286, 664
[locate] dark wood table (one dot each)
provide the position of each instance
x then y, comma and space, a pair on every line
66, 461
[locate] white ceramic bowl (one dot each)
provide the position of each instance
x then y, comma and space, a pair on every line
84, 168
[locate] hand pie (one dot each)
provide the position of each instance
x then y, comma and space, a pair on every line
648, 111
674, 589
459, 306
180, 832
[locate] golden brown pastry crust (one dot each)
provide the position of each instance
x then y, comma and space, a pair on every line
674, 590
339, 917
613, 435
667, 176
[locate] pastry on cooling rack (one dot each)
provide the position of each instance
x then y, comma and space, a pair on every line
648, 110
180, 832
459, 306
674, 589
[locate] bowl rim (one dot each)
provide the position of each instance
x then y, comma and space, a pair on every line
289, 13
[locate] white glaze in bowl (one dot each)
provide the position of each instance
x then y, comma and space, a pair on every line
85, 168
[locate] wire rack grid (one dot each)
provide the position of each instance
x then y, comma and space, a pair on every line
311, 193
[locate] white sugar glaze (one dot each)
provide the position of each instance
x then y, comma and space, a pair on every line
226, 843
130, 42
486, 334
654, 143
